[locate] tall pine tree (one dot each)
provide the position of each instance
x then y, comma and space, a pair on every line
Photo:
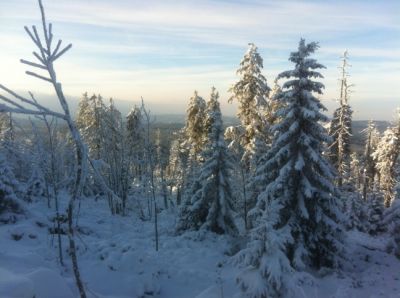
194, 128
251, 92
387, 155
369, 171
340, 128
209, 202
296, 215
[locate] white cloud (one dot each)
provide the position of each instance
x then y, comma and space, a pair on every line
198, 30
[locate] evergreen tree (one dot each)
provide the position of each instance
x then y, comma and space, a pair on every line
369, 170
90, 122
391, 220
135, 139
13, 150
356, 211
178, 164
356, 171
296, 215
192, 140
274, 104
36, 186
386, 156
162, 161
375, 214
251, 92
10, 205
114, 153
232, 136
194, 128
340, 128
6, 128
209, 202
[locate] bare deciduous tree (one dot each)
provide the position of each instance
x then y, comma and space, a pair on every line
16, 103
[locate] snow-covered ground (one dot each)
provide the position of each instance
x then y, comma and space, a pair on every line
117, 258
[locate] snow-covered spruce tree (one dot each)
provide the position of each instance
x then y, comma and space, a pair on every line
90, 121
356, 211
391, 220
296, 216
251, 92
355, 171
6, 127
194, 127
161, 163
193, 140
369, 161
113, 153
355, 207
135, 135
35, 186
375, 214
273, 104
178, 164
10, 205
386, 156
209, 205
149, 169
340, 128
13, 149
232, 136
102, 129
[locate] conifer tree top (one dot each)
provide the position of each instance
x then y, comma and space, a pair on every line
253, 85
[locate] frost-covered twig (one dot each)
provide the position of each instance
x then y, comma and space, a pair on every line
46, 57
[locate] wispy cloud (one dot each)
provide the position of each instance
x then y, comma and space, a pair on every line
166, 49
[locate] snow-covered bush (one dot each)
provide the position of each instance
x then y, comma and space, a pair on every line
392, 221
10, 205
375, 214
36, 186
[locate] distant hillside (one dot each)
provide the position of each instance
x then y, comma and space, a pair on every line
171, 123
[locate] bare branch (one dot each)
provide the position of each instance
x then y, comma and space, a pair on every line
50, 34
46, 35
57, 47
39, 58
30, 102
33, 97
5, 108
31, 36
32, 64
6, 99
38, 76
62, 52
39, 42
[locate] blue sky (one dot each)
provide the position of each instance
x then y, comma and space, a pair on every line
163, 50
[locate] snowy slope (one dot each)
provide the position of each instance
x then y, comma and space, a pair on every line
117, 259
